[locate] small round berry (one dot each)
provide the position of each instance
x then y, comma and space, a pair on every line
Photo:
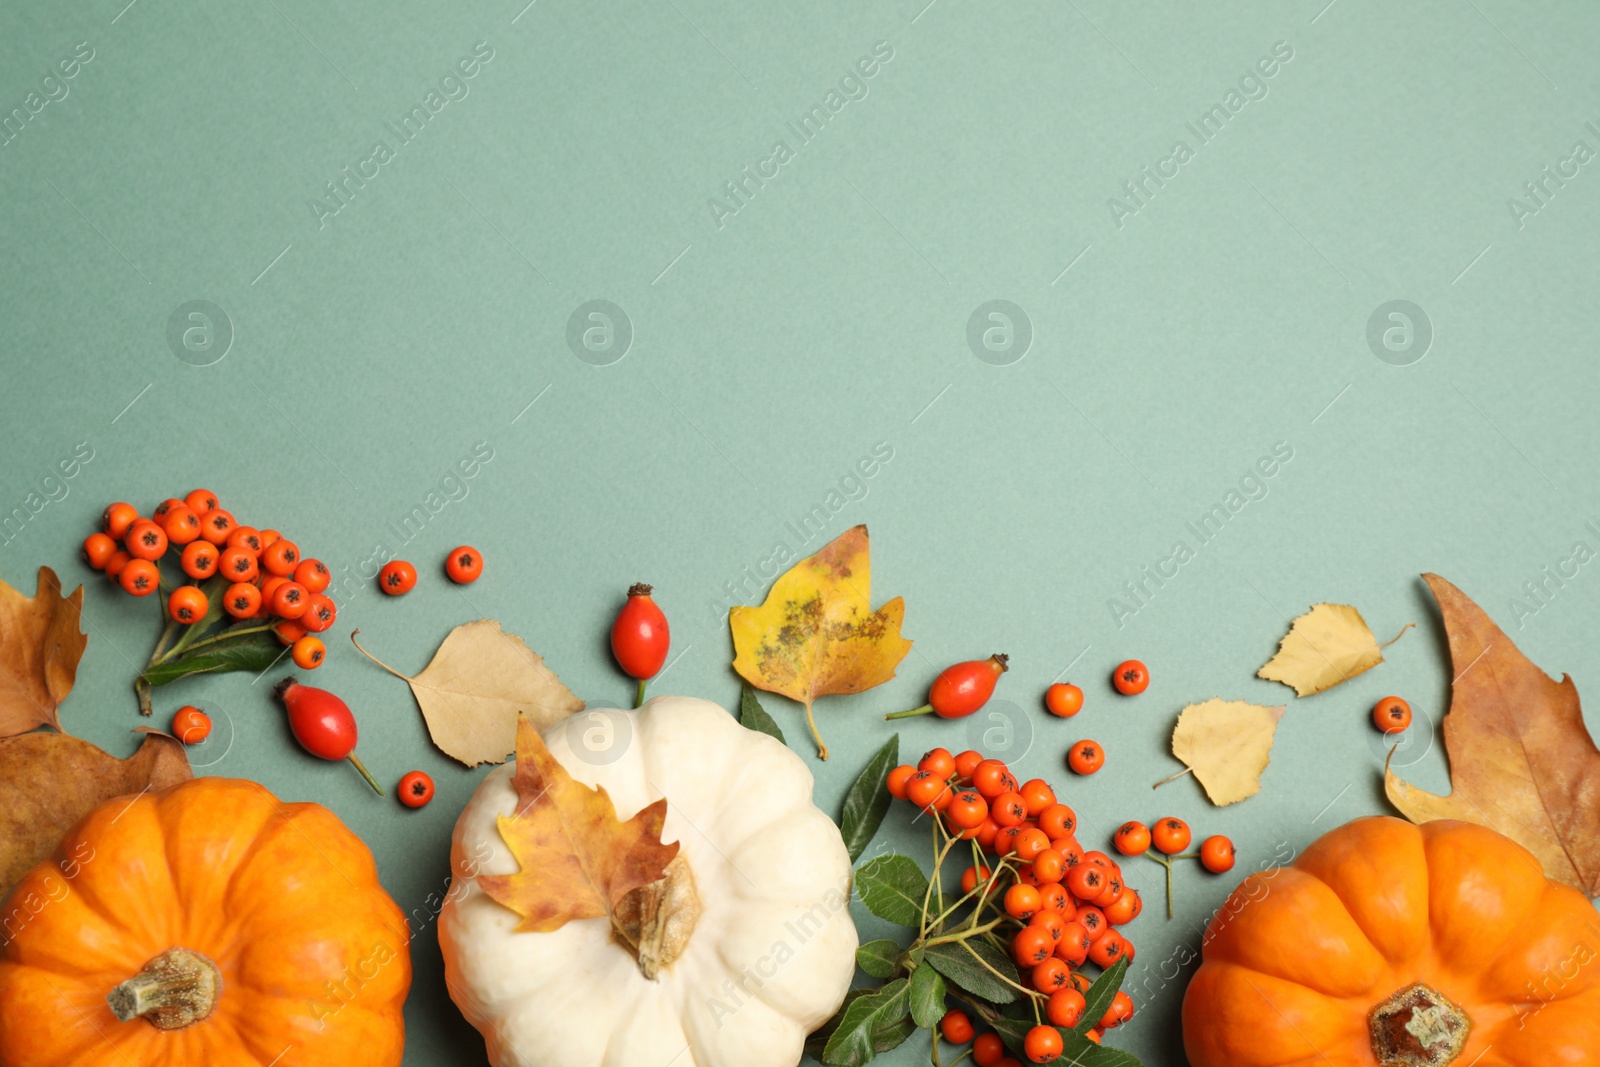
415, 789
1120, 1011
1170, 835
1050, 922
1037, 795
1053, 897
938, 762
1391, 715
967, 810
238, 564
397, 577
321, 611
1021, 901
926, 791
97, 548
967, 762
464, 565
308, 653
1065, 1007
270, 538
117, 518
181, 524
165, 506
1130, 678
1108, 949
1086, 757
217, 526
241, 600
140, 578
1074, 944
956, 1027
1049, 866
1125, 908
187, 605
200, 560
1086, 881
1049, 976
991, 778
972, 876
146, 540
119, 559
280, 558
191, 725
289, 600
1030, 842
1031, 946
898, 778
1132, 838
313, 574
1063, 699
1058, 821
288, 632
988, 1050
201, 501
1216, 854
247, 538
1008, 809
1042, 1044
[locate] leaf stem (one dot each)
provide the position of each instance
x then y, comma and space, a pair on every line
375, 659
822, 748
1397, 636
1172, 777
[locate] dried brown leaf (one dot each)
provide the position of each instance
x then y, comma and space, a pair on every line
476, 686
41, 643
1521, 760
50, 781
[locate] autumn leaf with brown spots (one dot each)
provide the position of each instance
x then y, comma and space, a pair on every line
816, 633
41, 642
577, 859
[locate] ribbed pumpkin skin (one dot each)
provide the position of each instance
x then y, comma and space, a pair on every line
1299, 955
283, 898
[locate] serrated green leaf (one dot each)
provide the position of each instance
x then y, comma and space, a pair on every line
927, 997
855, 1041
248, 652
1103, 1056
956, 962
893, 888
1100, 995
867, 801
755, 717
879, 958
888, 1036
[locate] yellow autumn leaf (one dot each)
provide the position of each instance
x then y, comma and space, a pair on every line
1227, 744
1327, 645
816, 633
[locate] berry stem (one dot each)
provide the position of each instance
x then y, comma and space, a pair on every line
355, 761
638, 694
925, 709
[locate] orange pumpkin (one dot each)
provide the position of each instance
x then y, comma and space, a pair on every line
1392, 944
207, 924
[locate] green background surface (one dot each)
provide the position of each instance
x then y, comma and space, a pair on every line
1173, 343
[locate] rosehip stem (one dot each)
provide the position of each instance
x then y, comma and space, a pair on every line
355, 761
638, 695
925, 709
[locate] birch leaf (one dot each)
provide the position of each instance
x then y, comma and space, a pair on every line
1327, 645
1227, 744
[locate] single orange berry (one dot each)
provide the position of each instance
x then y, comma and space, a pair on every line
320, 613
1120, 1011
1132, 838
313, 574
146, 540
241, 600
967, 810
1108, 949
464, 564
397, 577
270, 538
1125, 908
247, 538
1086, 881
290, 600
1053, 897
1030, 843
117, 518
991, 778
200, 560
1170, 835
956, 1027
415, 789
988, 1050
1021, 901
928, 792
1031, 946
97, 548
898, 778
1074, 944
187, 605
118, 560
238, 564
1391, 715
288, 632
1065, 1007
1063, 699
201, 501
1058, 821
181, 524
1050, 922
1037, 795
217, 526
967, 762
140, 577
165, 506
1216, 854
1049, 976
280, 557
972, 876
191, 725
308, 653
1042, 1044
937, 762
1130, 678
1086, 757
1049, 866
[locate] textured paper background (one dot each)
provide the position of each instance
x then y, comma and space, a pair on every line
1171, 343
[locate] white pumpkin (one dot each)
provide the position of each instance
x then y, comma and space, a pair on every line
770, 956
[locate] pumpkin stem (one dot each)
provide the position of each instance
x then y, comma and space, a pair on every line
1418, 1027
656, 920
176, 989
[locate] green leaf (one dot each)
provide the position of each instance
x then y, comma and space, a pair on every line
755, 717
867, 801
879, 958
248, 652
1101, 994
955, 962
855, 1041
884, 1038
927, 997
892, 887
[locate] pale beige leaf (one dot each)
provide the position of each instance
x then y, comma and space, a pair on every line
1227, 744
1327, 645
476, 686
1521, 760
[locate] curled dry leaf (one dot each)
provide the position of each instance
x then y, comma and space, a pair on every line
50, 781
816, 633
476, 686
1327, 645
1227, 744
1521, 760
41, 643
577, 859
